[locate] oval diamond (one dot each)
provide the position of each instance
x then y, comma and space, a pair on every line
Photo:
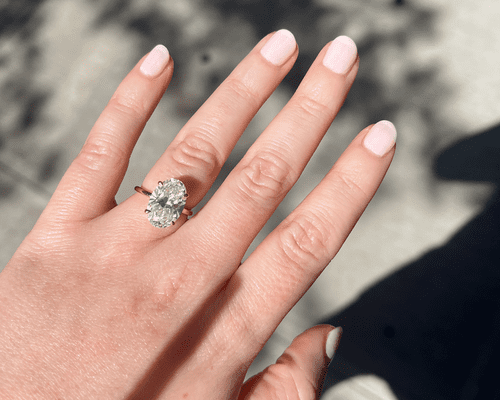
166, 203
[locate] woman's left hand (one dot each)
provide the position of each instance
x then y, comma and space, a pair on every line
98, 304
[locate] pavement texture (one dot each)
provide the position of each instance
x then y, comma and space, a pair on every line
416, 285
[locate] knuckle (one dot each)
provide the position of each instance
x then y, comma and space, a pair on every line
311, 108
166, 290
239, 92
99, 153
349, 187
198, 153
304, 241
266, 177
129, 106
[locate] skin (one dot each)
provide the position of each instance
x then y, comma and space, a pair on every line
97, 303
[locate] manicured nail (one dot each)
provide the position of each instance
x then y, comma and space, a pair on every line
332, 342
156, 61
381, 138
340, 55
279, 48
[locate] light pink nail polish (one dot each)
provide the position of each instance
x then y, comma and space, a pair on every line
156, 61
279, 48
340, 55
381, 138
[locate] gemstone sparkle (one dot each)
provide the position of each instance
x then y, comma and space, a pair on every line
166, 203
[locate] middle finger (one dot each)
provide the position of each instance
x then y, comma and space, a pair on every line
254, 189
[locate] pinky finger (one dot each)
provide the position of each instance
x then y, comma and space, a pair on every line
299, 373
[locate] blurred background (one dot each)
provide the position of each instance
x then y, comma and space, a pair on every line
416, 286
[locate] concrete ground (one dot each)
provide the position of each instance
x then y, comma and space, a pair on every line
415, 286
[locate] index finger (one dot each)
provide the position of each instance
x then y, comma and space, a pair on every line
89, 186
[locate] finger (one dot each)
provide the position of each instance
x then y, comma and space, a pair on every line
203, 145
281, 269
89, 186
299, 373
253, 190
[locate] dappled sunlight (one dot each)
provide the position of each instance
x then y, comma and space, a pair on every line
421, 66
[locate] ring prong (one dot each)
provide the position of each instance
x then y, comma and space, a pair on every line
146, 211
160, 183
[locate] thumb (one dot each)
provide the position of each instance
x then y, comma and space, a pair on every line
300, 371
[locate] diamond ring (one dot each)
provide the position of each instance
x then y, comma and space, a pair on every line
166, 202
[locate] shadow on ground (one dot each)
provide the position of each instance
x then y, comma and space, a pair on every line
22, 99
432, 329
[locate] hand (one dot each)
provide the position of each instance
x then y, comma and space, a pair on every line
98, 303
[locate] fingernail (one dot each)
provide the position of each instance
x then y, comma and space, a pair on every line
381, 138
156, 61
340, 55
332, 342
279, 48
